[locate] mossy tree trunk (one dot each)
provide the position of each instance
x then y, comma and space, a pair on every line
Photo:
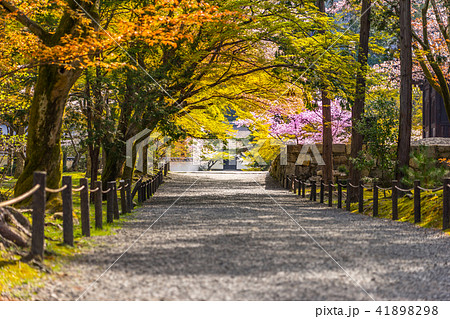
20, 156
327, 135
327, 152
44, 130
50, 94
406, 65
358, 106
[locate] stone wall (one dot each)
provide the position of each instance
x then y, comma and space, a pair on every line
341, 154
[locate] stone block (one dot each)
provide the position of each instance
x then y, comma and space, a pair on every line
320, 148
340, 160
443, 149
338, 148
292, 157
348, 149
294, 148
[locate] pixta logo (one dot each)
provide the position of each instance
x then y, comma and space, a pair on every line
230, 149
145, 141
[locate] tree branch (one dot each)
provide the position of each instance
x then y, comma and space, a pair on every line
34, 28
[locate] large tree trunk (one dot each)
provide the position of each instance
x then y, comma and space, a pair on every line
358, 107
20, 157
115, 157
404, 138
44, 130
327, 135
50, 94
327, 152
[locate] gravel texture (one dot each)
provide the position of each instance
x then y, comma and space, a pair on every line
233, 237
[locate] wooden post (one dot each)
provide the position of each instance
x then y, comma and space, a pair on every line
139, 194
348, 192
67, 211
153, 185
116, 202
38, 219
304, 189
375, 200
361, 197
149, 188
110, 203
129, 200
394, 200
84, 208
417, 212
98, 198
339, 195
143, 191
313, 190
446, 205
322, 190
330, 194
123, 199
310, 192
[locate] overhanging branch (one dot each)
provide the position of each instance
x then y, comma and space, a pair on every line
34, 28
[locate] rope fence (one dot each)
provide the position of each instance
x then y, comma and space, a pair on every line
39, 197
299, 187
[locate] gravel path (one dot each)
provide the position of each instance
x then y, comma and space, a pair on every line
242, 237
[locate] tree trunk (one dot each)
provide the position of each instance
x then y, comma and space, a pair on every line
327, 135
358, 107
327, 152
404, 138
50, 94
20, 158
115, 157
94, 153
44, 130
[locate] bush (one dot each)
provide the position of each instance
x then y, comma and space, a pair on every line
425, 169
379, 126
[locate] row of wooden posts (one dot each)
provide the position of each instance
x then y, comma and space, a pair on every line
299, 186
144, 189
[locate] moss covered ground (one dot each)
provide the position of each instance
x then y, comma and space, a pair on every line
431, 207
17, 279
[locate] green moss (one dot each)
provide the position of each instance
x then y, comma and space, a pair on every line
431, 208
15, 274
18, 279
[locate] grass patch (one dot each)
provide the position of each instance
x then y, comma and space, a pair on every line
17, 278
431, 207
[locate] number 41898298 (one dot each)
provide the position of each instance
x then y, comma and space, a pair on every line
407, 310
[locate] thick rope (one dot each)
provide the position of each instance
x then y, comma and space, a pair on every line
78, 189
403, 190
21, 197
430, 189
54, 191
94, 190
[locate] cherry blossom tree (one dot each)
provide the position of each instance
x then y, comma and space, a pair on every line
287, 122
